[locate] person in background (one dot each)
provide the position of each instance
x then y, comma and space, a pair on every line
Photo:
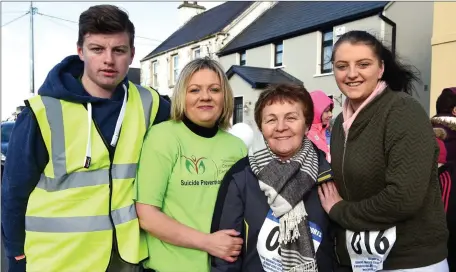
68, 182
386, 196
323, 106
180, 170
446, 119
271, 197
328, 134
447, 177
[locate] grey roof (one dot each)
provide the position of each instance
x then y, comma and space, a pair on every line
261, 77
289, 19
202, 25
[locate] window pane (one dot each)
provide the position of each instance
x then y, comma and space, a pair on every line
327, 36
176, 74
197, 53
279, 47
154, 67
242, 58
327, 50
239, 115
238, 110
278, 59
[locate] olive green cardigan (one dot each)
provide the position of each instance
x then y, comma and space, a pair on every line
386, 172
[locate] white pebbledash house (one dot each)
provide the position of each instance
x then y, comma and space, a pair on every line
203, 33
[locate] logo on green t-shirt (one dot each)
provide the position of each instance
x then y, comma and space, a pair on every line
194, 165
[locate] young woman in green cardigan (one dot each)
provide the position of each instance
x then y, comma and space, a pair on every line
386, 196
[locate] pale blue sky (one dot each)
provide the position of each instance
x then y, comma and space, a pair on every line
55, 39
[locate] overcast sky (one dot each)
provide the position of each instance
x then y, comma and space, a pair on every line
55, 39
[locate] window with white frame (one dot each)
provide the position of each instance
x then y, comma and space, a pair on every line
196, 53
174, 68
278, 53
154, 78
242, 58
238, 113
326, 51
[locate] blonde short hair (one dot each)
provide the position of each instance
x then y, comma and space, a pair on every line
180, 90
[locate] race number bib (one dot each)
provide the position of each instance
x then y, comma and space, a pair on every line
268, 246
369, 249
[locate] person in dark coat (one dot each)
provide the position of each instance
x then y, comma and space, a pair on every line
446, 119
447, 177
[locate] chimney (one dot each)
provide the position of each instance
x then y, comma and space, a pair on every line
188, 10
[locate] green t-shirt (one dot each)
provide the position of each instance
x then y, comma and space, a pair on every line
180, 172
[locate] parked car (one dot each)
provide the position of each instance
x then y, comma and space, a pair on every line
6, 128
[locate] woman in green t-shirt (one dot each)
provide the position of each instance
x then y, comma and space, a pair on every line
181, 167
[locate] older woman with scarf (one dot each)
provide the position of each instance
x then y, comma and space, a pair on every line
384, 157
270, 197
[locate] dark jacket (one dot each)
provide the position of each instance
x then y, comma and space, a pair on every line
448, 123
242, 206
386, 172
28, 156
447, 177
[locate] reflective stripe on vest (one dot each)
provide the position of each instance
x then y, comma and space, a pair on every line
74, 201
82, 179
81, 223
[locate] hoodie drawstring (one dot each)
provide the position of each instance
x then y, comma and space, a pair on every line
88, 156
115, 137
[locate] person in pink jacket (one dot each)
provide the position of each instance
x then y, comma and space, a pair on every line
323, 106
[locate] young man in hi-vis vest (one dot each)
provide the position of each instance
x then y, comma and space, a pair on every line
67, 190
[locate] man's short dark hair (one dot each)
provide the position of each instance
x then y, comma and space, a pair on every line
105, 19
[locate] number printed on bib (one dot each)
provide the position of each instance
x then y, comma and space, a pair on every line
268, 244
369, 249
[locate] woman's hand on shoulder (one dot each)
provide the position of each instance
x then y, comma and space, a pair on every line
329, 196
224, 244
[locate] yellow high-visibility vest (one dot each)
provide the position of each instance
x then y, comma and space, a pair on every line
74, 213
